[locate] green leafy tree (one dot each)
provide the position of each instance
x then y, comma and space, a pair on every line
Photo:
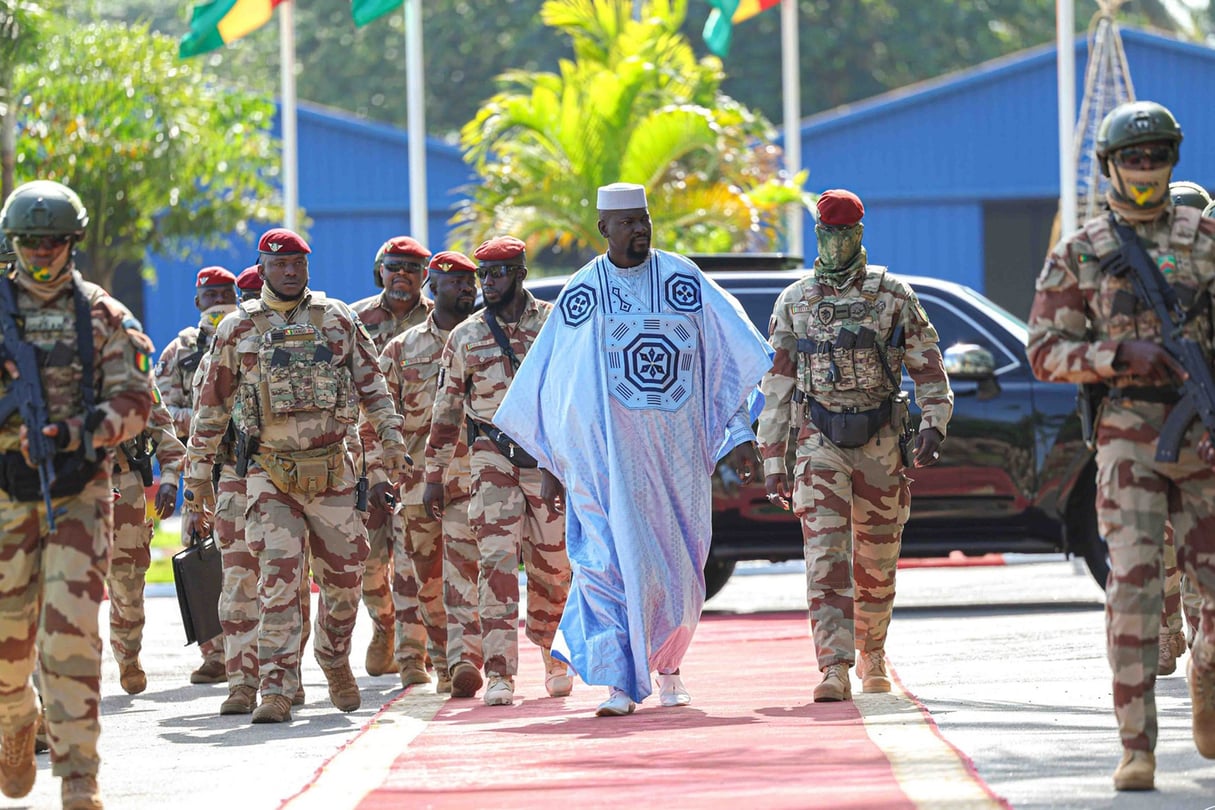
166, 159
633, 105
20, 22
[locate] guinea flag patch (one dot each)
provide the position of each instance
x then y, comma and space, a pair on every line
143, 362
156, 398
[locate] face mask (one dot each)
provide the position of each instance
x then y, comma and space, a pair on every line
45, 273
1141, 188
213, 315
838, 247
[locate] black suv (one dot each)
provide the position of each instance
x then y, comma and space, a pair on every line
1014, 474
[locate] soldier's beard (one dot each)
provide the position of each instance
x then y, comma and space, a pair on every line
402, 295
506, 298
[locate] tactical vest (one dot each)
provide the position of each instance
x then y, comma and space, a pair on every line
1121, 314
189, 363
296, 370
839, 342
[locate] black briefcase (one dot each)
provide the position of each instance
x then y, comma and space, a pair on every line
199, 576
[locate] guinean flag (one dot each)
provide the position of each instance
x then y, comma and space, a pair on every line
218, 22
720, 25
364, 11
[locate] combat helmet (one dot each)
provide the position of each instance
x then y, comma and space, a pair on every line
1209, 211
1132, 123
7, 254
43, 208
1188, 193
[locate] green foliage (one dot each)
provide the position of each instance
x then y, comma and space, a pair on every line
165, 158
634, 105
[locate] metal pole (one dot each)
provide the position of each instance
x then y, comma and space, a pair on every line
791, 84
1065, 26
291, 182
415, 94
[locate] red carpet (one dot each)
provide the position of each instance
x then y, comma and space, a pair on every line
752, 738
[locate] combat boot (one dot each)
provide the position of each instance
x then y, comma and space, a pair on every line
79, 792
132, 678
465, 680
274, 709
1202, 705
872, 669
379, 654
412, 672
1172, 645
1136, 771
443, 684
835, 685
557, 680
17, 764
241, 700
343, 689
298, 700
211, 670
500, 692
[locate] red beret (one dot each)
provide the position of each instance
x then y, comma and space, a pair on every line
214, 277
249, 278
281, 240
402, 246
450, 261
840, 207
500, 249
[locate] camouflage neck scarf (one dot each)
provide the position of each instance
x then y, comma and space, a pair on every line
841, 277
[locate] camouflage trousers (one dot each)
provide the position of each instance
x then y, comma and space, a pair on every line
418, 584
51, 587
1136, 496
238, 607
383, 529
1180, 596
213, 648
281, 528
130, 558
461, 599
510, 520
853, 503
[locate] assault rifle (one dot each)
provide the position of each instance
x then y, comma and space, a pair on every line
25, 396
1198, 389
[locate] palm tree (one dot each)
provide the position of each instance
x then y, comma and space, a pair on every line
634, 105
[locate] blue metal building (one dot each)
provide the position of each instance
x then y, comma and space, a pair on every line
960, 174
354, 187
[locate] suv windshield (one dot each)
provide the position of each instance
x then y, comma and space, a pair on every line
1014, 324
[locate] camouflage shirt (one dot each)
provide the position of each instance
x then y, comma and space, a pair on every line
410, 363
1080, 313
806, 312
122, 365
175, 373
170, 452
296, 406
382, 324
473, 377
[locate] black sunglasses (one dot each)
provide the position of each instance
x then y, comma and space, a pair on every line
42, 242
402, 267
1150, 156
496, 270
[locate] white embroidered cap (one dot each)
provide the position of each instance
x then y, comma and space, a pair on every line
621, 196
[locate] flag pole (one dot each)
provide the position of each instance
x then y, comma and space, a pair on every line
415, 93
1065, 61
791, 86
291, 185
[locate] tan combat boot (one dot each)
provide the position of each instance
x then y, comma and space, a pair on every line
17, 764
557, 680
1202, 705
79, 792
412, 672
132, 678
500, 691
343, 689
210, 671
274, 709
1172, 645
465, 680
299, 698
872, 668
241, 700
379, 654
835, 685
1136, 771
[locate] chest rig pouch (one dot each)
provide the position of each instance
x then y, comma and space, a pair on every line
838, 338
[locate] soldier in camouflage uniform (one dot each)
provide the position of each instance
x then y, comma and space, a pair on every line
435, 561
400, 269
842, 336
96, 382
1088, 325
249, 283
506, 511
215, 297
291, 371
131, 555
